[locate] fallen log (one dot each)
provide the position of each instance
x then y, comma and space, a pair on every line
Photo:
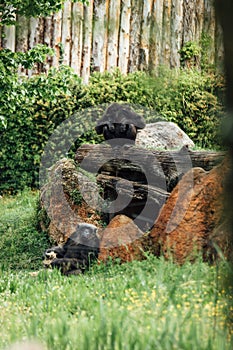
162, 169
140, 202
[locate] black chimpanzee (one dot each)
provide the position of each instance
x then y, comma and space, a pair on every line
75, 256
120, 122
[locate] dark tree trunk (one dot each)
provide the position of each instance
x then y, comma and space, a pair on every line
224, 10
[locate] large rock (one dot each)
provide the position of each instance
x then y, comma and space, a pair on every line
122, 239
163, 136
192, 213
62, 203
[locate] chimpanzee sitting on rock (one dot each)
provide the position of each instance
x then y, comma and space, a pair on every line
120, 123
75, 256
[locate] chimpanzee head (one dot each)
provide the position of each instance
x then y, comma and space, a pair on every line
75, 256
85, 234
120, 122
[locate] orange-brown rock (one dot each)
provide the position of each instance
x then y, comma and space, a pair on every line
63, 204
192, 212
122, 239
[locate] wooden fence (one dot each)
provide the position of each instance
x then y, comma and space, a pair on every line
129, 34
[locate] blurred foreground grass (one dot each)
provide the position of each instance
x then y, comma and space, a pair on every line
147, 305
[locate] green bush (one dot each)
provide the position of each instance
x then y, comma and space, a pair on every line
109, 87
31, 109
192, 99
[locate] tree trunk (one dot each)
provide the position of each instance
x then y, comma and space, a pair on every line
124, 36
156, 34
22, 34
113, 34
166, 40
209, 29
135, 33
162, 169
66, 32
188, 21
56, 39
176, 32
145, 35
87, 41
99, 35
8, 41
48, 26
77, 37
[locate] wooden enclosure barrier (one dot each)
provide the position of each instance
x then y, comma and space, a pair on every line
129, 34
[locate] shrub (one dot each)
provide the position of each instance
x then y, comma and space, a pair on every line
191, 99
32, 108
109, 87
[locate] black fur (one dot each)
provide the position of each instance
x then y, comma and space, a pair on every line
120, 122
76, 255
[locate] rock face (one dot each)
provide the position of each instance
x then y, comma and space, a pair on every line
122, 239
164, 136
63, 203
190, 221
190, 215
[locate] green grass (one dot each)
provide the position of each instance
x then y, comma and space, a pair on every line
149, 305
21, 245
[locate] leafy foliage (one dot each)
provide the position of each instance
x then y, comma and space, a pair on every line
192, 99
29, 8
190, 52
31, 109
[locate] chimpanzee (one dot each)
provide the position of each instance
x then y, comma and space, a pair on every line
75, 256
120, 122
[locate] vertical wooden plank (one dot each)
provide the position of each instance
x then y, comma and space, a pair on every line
66, 32
87, 41
105, 48
156, 34
22, 32
166, 36
48, 30
135, 34
9, 40
199, 18
100, 14
176, 32
124, 36
189, 21
33, 24
36, 36
113, 34
145, 35
56, 39
209, 28
219, 49
77, 37
36, 31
